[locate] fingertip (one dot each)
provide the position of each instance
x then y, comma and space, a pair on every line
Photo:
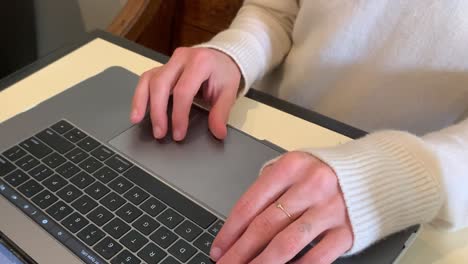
217, 126
158, 132
178, 134
219, 131
135, 117
215, 253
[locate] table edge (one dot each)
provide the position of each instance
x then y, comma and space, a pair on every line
253, 94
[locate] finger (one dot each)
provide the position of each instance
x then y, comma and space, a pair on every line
294, 238
219, 113
160, 88
289, 242
334, 244
273, 181
140, 98
271, 221
185, 90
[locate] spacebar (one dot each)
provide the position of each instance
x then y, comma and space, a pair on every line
171, 197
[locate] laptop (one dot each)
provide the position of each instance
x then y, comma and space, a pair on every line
80, 184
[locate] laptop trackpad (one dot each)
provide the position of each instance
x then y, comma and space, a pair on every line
213, 172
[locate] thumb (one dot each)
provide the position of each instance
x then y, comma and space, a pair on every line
219, 113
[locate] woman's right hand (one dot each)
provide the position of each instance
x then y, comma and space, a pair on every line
188, 71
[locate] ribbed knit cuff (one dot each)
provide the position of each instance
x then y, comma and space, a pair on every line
242, 47
389, 181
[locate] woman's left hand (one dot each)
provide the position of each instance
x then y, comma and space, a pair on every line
295, 200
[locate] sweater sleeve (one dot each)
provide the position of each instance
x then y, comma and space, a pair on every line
392, 180
259, 37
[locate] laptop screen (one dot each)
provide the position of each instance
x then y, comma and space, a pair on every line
7, 256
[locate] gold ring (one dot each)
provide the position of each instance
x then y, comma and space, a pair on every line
280, 206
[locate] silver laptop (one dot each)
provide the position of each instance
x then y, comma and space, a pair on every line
80, 183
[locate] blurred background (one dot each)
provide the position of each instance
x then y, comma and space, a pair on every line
31, 29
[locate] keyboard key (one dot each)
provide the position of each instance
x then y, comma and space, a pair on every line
170, 260
14, 154
69, 193
5, 167
152, 253
16, 178
120, 185
55, 182
133, 240
75, 222
91, 234
77, 155
82, 180
61, 127
188, 230
163, 237
90, 165
112, 201
97, 190
153, 206
100, 216
44, 199
84, 204
169, 196
204, 243
201, 259
88, 144
214, 229
40, 172
75, 135
129, 213
59, 210
116, 228
102, 153
136, 195
118, 163
67, 170
182, 250
27, 162
105, 174
55, 141
125, 257
146, 225
30, 188
54, 160
107, 248
36, 148
170, 218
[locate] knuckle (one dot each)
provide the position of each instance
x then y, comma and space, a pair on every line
180, 51
261, 226
294, 158
201, 55
245, 208
288, 244
322, 178
156, 83
179, 92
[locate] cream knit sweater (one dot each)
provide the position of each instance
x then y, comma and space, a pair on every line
386, 65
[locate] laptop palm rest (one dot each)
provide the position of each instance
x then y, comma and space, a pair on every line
216, 173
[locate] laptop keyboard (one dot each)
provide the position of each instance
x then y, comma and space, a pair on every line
101, 206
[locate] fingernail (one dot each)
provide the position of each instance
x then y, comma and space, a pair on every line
177, 135
158, 131
215, 253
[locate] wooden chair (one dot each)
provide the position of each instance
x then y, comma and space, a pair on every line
164, 25
147, 22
